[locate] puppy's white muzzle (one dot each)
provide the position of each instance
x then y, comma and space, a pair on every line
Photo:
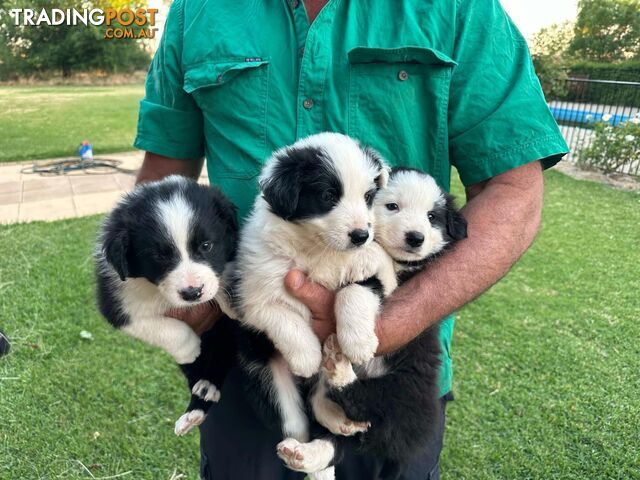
190, 283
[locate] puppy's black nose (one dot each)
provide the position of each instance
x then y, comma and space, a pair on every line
191, 294
359, 236
414, 239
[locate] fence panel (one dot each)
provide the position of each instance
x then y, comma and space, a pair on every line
587, 102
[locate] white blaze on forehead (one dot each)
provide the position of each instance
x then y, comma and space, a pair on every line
413, 191
356, 170
176, 215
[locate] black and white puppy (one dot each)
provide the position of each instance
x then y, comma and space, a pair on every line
166, 245
315, 213
391, 401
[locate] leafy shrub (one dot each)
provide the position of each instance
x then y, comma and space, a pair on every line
552, 76
613, 148
626, 71
622, 95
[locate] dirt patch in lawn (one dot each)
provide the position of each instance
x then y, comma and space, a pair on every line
619, 181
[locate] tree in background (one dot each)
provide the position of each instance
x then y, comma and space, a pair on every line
44, 49
550, 52
553, 41
607, 30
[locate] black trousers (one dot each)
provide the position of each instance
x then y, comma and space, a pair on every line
235, 445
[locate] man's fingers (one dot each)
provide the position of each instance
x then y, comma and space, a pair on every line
318, 300
200, 317
313, 295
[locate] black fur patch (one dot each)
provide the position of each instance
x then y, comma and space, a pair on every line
303, 184
5, 345
374, 284
456, 223
214, 363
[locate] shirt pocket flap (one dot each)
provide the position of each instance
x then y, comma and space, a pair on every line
211, 74
408, 54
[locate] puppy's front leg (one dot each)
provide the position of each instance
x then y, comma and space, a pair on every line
356, 308
331, 415
313, 457
336, 373
292, 336
173, 336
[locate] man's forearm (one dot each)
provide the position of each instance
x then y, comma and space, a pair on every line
156, 167
503, 216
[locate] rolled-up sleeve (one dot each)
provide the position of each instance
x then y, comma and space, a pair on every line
169, 123
498, 117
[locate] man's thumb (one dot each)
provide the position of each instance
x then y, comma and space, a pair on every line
308, 292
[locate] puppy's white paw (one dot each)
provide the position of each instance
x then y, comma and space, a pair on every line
206, 391
337, 422
348, 428
305, 363
189, 420
291, 454
305, 457
336, 368
332, 416
188, 350
358, 346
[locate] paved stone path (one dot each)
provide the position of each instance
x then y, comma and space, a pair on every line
27, 197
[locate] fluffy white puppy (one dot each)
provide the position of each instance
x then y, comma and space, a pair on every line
315, 214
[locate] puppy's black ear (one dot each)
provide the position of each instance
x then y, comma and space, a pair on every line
115, 248
231, 238
226, 209
281, 187
456, 223
384, 171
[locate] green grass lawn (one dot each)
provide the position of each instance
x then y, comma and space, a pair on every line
546, 375
47, 122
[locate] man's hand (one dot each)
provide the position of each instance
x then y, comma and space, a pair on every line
318, 299
200, 318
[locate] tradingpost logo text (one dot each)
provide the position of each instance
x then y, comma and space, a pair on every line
120, 22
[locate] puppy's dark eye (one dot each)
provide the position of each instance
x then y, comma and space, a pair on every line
206, 246
431, 216
392, 207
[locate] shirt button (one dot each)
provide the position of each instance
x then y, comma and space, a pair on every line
301, 51
294, 3
402, 75
308, 103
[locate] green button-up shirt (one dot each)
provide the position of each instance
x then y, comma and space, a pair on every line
428, 83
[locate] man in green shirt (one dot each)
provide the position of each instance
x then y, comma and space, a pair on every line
429, 83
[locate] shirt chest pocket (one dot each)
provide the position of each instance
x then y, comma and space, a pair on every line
398, 103
232, 95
